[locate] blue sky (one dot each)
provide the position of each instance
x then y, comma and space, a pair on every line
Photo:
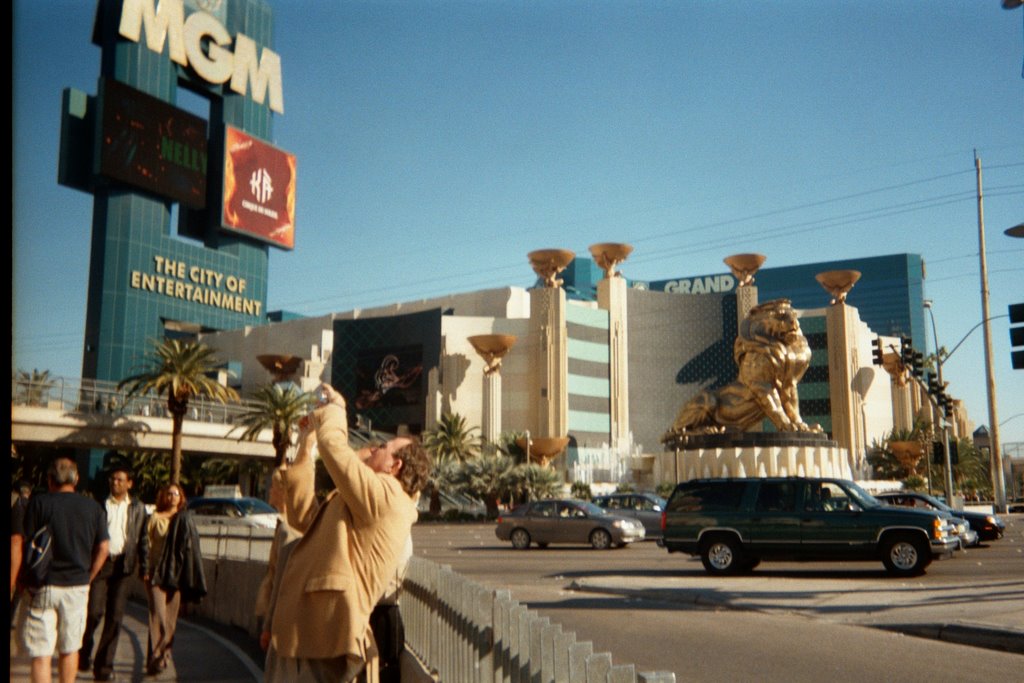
439, 142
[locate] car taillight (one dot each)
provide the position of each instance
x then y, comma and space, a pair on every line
499, 520
664, 520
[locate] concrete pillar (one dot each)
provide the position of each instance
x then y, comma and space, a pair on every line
746, 299
492, 407
611, 297
841, 325
549, 396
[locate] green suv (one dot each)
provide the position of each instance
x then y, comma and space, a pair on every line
733, 524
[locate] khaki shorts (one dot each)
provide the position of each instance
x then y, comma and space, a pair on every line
55, 619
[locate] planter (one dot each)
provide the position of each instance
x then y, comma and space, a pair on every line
908, 453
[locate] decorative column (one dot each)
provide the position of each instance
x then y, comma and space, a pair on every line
543, 449
282, 367
549, 386
903, 409
492, 348
743, 267
843, 365
611, 297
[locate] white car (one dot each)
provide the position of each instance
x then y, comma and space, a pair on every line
252, 512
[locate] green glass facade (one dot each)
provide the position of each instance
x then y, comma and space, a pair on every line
149, 278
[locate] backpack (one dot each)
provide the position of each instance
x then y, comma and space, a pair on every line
36, 565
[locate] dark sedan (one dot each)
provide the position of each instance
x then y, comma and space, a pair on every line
566, 521
988, 526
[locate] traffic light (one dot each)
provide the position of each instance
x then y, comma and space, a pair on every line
876, 351
947, 406
1017, 336
906, 351
933, 386
939, 454
917, 365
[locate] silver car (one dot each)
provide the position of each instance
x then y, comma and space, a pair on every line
645, 507
566, 521
251, 512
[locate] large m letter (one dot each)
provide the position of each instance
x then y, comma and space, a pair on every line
167, 20
267, 72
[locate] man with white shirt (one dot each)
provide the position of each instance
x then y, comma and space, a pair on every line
129, 554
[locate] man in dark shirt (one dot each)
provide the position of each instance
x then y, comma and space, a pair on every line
56, 615
129, 554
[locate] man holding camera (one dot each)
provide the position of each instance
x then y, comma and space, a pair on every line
351, 546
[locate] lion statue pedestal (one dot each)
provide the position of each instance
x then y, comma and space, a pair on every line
754, 454
710, 438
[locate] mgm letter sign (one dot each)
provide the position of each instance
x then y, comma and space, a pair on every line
166, 23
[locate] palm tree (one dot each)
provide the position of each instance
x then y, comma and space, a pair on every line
531, 481
452, 439
449, 443
34, 388
486, 478
278, 409
180, 369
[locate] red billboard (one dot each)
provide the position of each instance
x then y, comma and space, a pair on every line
149, 144
259, 189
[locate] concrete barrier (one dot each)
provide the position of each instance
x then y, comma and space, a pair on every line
464, 632
456, 630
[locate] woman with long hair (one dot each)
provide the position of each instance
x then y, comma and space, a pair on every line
176, 573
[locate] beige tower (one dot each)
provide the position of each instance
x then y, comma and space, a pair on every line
744, 267
549, 408
492, 349
845, 393
611, 297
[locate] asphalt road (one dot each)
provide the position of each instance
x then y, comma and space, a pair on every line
784, 622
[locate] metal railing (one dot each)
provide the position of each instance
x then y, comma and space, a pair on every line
459, 630
235, 542
466, 633
90, 396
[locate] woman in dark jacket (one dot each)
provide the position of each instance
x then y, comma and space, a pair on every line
176, 574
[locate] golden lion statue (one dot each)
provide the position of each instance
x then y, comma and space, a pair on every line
772, 355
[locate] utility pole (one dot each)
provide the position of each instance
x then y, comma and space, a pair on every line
998, 485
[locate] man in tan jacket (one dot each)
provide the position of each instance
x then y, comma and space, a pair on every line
350, 549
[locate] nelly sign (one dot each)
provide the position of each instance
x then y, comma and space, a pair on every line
216, 64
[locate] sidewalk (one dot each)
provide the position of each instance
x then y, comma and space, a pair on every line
200, 655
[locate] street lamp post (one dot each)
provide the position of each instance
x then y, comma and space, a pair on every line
948, 460
998, 484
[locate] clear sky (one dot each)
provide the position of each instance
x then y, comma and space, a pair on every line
438, 142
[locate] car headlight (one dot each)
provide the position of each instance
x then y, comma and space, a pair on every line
619, 523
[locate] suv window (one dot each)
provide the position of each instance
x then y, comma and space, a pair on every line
825, 496
776, 496
713, 496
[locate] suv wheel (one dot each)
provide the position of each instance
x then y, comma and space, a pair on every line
600, 539
520, 539
906, 555
721, 555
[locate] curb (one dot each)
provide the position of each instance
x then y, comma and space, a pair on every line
975, 635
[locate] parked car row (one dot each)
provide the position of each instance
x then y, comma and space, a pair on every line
734, 524
987, 526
